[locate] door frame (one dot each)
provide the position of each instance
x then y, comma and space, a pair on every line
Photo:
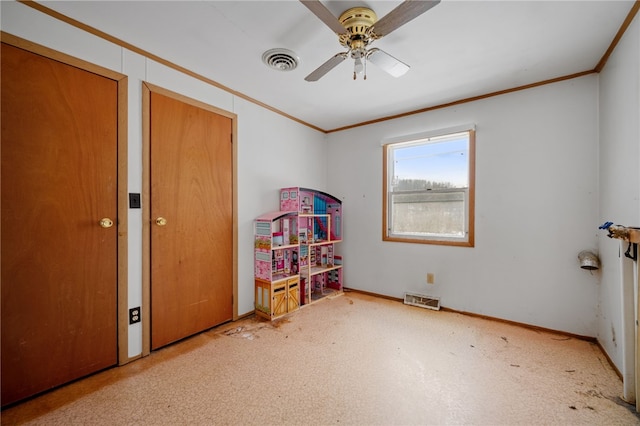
121, 81
147, 89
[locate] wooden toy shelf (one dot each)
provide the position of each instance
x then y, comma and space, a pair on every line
314, 270
295, 252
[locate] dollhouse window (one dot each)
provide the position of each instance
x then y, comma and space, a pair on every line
429, 188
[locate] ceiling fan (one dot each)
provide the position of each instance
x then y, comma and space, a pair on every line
358, 27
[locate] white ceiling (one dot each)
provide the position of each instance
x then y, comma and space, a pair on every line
456, 50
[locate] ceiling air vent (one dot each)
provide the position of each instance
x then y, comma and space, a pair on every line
422, 301
281, 59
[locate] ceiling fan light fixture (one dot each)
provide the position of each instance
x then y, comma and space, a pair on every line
360, 62
281, 59
358, 67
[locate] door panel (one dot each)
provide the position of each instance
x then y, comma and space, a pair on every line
59, 267
191, 188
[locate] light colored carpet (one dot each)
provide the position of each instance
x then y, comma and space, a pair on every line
353, 359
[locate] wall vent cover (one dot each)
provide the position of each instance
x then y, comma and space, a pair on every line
422, 301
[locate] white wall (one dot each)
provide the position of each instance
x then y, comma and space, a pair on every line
273, 151
536, 209
536, 187
619, 104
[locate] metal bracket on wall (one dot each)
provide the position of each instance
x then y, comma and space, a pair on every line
633, 255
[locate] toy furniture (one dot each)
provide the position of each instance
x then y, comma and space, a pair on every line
295, 259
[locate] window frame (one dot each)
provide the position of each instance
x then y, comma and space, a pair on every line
469, 239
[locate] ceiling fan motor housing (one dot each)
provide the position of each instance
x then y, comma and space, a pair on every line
357, 21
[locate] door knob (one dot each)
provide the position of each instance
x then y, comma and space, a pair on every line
161, 221
105, 222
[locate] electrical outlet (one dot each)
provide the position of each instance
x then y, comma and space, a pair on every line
431, 278
134, 315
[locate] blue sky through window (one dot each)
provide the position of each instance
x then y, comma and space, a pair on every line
437, 161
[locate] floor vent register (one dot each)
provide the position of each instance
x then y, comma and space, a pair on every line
422, 301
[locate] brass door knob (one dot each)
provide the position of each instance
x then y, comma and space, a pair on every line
161, 221
105, 222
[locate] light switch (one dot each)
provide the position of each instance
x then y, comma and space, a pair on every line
134, 201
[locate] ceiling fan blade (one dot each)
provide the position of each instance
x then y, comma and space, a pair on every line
325, 15
405, 12
327, 66
387, 62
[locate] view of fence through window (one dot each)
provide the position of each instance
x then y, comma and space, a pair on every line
440, 213
428, 187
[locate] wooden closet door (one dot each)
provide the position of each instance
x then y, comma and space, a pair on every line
59, 266
191, 219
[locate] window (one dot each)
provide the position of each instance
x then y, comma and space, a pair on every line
428, 188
